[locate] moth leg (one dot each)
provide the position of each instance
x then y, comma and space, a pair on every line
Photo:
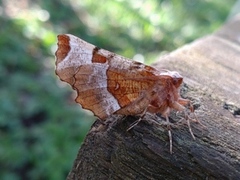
144, 96
169, 134
189, 125
185, 102
165, 114
137, 121
196, 120
179, 106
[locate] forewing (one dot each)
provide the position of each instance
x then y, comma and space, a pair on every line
105, 82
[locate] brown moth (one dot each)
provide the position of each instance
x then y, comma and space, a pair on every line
107, 83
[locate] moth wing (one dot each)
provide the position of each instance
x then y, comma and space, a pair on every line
105, 82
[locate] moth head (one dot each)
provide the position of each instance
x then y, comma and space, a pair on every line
176, 77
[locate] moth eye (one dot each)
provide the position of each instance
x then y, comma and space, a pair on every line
177, 81
177, 78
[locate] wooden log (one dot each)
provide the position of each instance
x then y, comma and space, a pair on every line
211, 70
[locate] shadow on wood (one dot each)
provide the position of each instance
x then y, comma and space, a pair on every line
211, 70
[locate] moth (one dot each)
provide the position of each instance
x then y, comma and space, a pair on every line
107, 83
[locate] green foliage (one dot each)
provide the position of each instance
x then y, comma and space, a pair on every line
41, 127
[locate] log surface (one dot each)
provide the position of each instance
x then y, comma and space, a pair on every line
211, 70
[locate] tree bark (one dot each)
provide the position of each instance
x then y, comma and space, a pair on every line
211, 70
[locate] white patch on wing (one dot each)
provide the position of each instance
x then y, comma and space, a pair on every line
111, 105
80, 53
117, 86
96, 78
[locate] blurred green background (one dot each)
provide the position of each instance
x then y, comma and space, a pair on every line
41, 127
